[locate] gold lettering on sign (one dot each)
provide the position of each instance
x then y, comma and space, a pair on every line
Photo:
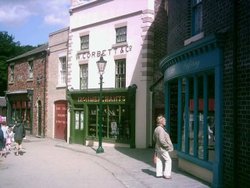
118, 98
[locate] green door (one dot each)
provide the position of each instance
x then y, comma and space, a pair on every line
78, 129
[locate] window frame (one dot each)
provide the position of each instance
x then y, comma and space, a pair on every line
83, 79
12, 76
197, 17
31, 69
84, 42
121, 34
120, 73
62, 70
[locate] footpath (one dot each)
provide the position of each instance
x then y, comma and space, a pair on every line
54, 163
135, 167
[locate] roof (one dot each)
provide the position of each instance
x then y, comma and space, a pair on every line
32, 52
2, 101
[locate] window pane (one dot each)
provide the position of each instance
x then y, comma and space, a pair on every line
30, 69
173, 102
183, 130
62, 70
84, 42
77, 120
84, 76
121, 34
81, 120
197, 16
198, 128
120, 72
191, 116
11, 73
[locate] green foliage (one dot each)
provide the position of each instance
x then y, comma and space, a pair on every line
8, 49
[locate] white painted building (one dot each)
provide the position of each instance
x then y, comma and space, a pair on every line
119, 31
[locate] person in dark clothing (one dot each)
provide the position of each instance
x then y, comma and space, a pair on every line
19, 131
2, 145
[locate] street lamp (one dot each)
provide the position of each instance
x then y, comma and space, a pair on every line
101, 64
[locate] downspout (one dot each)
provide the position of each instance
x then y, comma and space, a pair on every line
152, 109
235, 93
44, 89
66, 93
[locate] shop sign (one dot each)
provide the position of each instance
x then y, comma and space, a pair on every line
118, 98
106, 52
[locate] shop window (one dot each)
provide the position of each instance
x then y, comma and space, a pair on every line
197, 112
79, 120
30, 63
62, 70
196, 16
84, 42
84, 76
120, 73
114, 123
11, 73
121, 34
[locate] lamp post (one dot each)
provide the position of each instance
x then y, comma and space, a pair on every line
101, 64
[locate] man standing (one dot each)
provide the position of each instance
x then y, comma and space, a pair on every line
163, 145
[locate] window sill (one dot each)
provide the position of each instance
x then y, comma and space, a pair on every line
194, 38
205, 164
61, 86
119, 44
83, 51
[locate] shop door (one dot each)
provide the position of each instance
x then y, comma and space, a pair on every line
61, 120
79, 137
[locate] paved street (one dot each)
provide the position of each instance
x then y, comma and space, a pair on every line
54, 163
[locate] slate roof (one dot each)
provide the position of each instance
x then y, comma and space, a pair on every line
32, 52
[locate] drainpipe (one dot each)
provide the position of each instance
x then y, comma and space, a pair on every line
44, 89
235, 94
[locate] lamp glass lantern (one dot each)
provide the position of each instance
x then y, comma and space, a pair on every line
101, 64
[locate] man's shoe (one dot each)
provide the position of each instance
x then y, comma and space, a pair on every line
167, 177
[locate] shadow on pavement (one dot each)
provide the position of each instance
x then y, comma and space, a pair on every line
146, 156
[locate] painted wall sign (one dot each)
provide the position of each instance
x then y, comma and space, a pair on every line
192, 65
107, 52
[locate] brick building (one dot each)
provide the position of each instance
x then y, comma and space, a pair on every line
206, 74
26, 92
57, 84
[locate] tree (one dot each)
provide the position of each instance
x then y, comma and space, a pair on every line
8, 50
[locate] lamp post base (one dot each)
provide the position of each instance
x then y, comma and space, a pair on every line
100, 150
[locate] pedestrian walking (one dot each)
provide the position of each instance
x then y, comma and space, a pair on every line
4, 128
19, 134
163, 146
9, 139
1, 141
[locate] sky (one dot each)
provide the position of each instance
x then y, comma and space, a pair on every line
31, 21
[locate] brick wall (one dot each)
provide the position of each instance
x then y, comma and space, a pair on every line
22, 82
159, 28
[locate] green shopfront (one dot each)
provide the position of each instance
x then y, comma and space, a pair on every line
193, 103
118, 116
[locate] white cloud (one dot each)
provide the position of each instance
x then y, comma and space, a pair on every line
52, 12
16, 14
56, 12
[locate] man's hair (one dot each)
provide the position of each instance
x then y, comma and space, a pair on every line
159, 117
